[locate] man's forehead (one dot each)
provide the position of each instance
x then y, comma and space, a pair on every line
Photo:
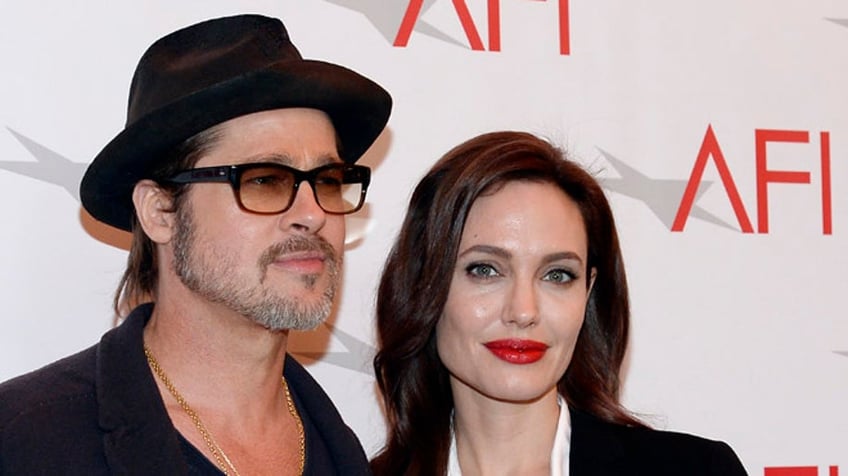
315, 118
295, 137
290, 160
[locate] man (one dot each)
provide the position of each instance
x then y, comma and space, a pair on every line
233, 173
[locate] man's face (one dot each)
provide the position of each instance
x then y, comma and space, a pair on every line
281, 270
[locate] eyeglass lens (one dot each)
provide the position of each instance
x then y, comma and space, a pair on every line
272, 189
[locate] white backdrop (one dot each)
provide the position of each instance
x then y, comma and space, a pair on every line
739, 331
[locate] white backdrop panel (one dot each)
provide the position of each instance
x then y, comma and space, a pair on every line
737, 336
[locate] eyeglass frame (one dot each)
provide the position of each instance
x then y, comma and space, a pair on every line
232, 174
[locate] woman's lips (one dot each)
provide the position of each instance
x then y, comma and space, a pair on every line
517, 351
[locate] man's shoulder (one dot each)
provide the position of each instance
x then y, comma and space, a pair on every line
64, 383
49, 420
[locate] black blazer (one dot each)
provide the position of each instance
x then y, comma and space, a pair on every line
99, 412
599, 448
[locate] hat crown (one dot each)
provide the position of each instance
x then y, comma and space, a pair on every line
209, 73
200, 56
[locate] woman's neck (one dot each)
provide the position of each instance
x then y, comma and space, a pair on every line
505, 438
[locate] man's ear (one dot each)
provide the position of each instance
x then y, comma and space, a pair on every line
154, 209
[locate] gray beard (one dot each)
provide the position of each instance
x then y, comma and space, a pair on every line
212, 276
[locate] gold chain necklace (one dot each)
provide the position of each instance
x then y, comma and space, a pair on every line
221, 458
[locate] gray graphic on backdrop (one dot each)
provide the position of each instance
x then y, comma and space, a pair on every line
50, 166
358, 356
386, 16
661, 196
54, 168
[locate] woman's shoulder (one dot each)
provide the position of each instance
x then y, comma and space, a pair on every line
658, 452
672, 446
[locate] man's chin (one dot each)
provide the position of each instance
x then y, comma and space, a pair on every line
301, 311
291, 322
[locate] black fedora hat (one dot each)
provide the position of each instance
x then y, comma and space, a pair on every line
214, 71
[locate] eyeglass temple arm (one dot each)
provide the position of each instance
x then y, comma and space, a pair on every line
205, 174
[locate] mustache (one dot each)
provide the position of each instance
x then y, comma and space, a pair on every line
296, 244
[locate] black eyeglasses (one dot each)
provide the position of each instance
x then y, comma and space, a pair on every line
269, 188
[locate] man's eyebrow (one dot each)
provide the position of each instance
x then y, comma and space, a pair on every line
285, 159
325, 159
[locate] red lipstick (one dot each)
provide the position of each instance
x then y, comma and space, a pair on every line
517, 351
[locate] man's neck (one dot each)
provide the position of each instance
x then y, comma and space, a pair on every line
217, 358
228, 370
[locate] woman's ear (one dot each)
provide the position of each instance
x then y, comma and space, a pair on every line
154, 209
593, 272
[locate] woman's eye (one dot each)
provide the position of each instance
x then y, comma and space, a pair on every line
481, 270
559, 276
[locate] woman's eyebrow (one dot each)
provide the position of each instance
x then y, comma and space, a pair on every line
505, 254
487, 249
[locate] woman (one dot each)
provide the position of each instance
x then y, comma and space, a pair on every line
503, 316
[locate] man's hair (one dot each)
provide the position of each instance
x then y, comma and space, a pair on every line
413, 290
138, 284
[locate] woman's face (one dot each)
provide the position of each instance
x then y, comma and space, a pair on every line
517, 294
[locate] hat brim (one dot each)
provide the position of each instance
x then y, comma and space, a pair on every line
358, 107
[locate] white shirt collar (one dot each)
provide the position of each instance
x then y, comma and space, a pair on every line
559, 452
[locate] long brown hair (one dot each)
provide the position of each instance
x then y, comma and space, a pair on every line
414, 287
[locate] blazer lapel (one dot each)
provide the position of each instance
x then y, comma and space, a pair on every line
337, 449
596, 449
138, 437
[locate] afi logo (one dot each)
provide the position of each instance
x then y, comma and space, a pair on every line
799, 471
413, 11
387, 15
674, 201
763, 139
